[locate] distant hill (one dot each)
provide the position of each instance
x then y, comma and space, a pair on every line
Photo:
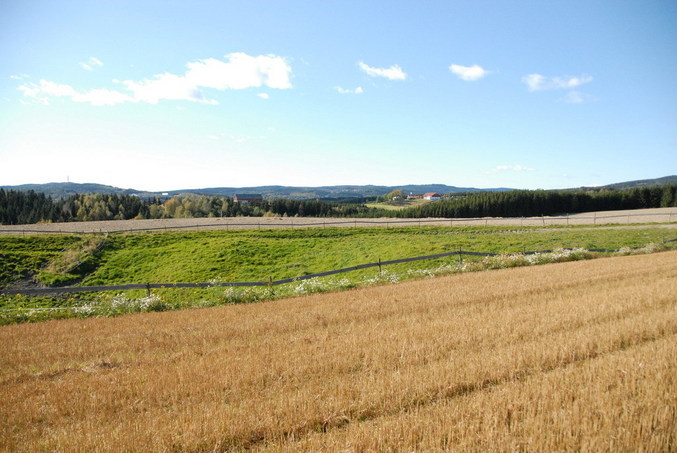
643, 183
330, 192
64, 189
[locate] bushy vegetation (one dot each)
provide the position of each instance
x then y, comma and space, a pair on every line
29, 207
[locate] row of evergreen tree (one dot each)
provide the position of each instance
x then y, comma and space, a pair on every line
528, 203
17, 207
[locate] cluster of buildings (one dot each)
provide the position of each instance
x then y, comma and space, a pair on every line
426, 196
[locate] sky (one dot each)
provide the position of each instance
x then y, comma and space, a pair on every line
168, 95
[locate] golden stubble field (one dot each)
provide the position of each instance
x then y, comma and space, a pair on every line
576, 356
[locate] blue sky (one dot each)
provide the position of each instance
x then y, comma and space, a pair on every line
165, 95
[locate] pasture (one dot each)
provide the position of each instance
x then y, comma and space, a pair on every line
576, 356
161, 257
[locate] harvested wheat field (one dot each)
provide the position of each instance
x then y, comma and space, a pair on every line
577, 356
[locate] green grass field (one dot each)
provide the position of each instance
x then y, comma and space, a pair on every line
397, 205
259, 255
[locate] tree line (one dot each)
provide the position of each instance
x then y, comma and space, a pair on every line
529, 203
18, 207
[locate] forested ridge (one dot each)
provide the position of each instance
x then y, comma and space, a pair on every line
18, 207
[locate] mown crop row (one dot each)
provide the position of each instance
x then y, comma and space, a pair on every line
574, 356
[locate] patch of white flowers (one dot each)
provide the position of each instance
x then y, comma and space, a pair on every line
84, 310
317, 285
382, 277
238, 295
124, 304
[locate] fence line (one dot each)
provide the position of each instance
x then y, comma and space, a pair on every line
270, 282
549, 220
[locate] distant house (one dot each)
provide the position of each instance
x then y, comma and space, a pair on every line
431, 196
248, 198
414, 197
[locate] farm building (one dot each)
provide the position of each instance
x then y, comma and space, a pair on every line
431, 196
248, 198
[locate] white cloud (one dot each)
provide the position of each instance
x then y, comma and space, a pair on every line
239, 72
102, 96
469, 73
165, 86
45, 90
264, 95
538, 82
19, 76
41, 92
576, 97
392, 73
342, 90
91, 63
500, 168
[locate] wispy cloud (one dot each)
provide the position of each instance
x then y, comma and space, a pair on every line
342, 90
469, 73
238, 72
264, 95
576, 97
42, 92
394, 72
91, 63
538, 82
501, 168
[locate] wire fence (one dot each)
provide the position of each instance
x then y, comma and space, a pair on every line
270, 282
315, 222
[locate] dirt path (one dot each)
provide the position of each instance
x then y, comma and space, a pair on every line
639, 216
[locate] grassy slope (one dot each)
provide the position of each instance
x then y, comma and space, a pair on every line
22, 257
256, 255
253, 255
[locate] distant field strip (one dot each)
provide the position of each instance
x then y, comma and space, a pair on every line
576, 356
658, 215
270, 282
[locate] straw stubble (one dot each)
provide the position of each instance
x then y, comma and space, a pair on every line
571, 356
